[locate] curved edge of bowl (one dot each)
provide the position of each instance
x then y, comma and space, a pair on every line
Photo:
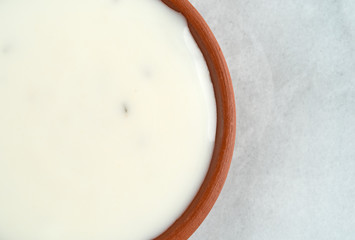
213, 183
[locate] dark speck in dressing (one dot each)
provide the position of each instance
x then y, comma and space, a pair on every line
147, 72
6, 49
125, 108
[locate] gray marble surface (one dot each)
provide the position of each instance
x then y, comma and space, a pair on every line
293, 69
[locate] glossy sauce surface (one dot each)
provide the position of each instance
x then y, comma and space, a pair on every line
107, 122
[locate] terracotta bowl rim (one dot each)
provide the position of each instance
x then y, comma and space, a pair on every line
213, 183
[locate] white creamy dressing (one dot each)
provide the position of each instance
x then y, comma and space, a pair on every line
107, 119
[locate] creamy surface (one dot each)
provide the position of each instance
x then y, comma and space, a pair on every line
107, 119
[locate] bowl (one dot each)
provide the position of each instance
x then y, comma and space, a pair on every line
212, 185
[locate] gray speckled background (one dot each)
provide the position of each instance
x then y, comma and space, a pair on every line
293, 69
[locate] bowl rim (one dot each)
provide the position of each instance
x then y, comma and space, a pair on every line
217, 173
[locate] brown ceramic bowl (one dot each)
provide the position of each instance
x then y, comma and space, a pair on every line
203, 202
